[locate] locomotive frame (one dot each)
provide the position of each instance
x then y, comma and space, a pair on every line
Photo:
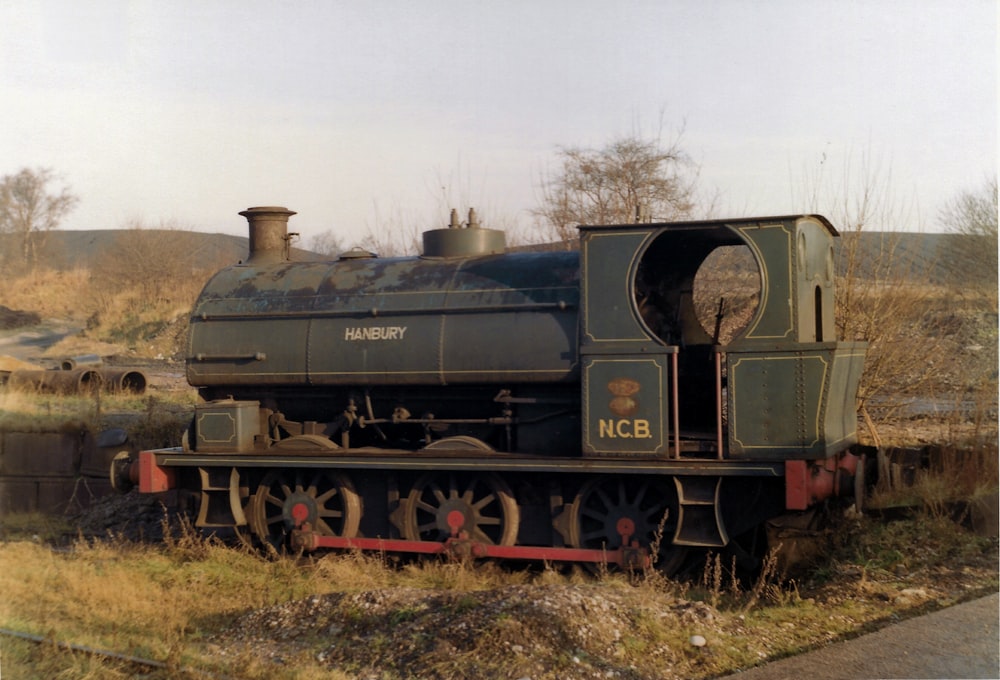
384, 404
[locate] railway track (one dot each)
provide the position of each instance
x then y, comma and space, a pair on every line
169, 669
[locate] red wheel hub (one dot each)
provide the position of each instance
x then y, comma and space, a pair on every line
300, 513
626, 529
456, 520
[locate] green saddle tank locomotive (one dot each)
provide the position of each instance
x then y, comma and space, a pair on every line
559, 404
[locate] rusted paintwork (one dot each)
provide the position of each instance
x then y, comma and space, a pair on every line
389, 321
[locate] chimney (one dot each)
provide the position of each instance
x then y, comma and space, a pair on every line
269, 240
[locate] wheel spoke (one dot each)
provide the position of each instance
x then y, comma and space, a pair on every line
426, 507
602, 496
323, 498
333, 505
595, 518
483, 503
439, 495
640, 496
479, 535
622, 500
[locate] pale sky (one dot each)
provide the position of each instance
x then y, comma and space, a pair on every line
360, 113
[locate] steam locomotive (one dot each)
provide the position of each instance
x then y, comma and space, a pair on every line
571, 404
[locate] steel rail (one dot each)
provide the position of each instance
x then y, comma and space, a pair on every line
127, 658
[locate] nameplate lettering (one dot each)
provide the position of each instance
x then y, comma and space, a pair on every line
354, 334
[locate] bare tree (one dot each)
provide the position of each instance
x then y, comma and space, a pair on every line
154, 264
392, 236
972, 218
631, 179
144, 283
30, 211
326, 243
881, 297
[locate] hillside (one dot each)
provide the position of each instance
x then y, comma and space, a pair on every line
65, 250
936, 258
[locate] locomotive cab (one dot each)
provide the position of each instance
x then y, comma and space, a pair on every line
694, 359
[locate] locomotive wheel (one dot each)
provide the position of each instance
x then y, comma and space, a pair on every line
485, 502
602, 503
334, 507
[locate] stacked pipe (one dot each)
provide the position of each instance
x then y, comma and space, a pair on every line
79, 375
83, 361
77, 381
124, 380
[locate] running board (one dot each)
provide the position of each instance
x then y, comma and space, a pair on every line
698, 521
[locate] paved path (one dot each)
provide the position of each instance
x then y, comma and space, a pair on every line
959, 642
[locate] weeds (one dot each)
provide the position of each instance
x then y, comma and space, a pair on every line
767, 583
162, 422
172, 602
952, 483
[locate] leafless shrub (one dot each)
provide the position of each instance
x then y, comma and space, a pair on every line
151, 262
630, 179
394, 235
881, 297
326, 243
144, 286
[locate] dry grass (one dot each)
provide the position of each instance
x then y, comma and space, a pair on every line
195, 603
149, 602
51, 293
952, 483
116, 314
152, 421
34, 412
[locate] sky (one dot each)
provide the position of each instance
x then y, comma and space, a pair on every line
362, 115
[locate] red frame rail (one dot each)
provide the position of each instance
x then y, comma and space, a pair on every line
460, 546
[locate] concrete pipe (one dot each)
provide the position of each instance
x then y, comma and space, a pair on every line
80, 381
82, 361
124, 381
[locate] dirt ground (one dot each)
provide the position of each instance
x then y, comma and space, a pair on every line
45, 344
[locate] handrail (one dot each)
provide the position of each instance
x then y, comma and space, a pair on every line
676, 405
718, 403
